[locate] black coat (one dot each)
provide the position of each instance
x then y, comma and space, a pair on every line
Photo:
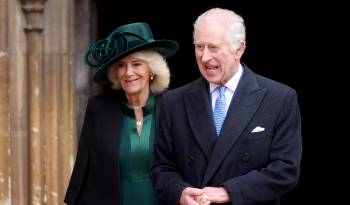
254, 167
95, 176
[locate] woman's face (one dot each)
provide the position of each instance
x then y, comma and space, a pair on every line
133, 74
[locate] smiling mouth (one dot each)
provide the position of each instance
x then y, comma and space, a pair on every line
211, 69
207, 67
130, 80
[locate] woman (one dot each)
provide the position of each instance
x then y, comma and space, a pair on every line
115, 150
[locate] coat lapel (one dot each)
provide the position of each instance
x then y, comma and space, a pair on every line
246, 101
197, 104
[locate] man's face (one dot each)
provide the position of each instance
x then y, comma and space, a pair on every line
216, 59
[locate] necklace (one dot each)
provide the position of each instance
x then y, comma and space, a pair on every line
138, 122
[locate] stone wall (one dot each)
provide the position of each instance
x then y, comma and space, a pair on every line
43, 88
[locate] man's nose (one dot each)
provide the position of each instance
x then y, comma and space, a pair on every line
206, 55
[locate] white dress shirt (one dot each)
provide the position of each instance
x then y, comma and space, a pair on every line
231, 86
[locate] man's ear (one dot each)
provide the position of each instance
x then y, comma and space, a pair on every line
240, 50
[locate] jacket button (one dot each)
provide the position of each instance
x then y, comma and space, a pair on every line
245, 157
190, 159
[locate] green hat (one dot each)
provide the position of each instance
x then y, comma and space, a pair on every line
121, 42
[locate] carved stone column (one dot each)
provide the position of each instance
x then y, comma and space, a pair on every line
33, 10
37, 100
4, 111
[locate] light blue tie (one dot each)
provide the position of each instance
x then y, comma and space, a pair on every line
219, 109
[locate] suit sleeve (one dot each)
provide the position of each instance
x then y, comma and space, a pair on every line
76, 185
282, 173
167, 180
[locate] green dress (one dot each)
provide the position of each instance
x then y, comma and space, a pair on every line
136, 156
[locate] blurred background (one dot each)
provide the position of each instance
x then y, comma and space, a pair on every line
44, 84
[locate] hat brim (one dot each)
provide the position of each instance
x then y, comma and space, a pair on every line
165, 47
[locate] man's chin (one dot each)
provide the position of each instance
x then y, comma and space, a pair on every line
213, 79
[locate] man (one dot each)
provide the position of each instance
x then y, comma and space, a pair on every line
253, 156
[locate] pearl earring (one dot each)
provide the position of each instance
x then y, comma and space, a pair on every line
151, 77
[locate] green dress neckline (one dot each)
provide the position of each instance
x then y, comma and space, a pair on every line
136, 155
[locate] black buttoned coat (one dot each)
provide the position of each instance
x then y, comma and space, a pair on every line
257, 156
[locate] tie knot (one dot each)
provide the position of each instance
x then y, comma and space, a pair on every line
221, 89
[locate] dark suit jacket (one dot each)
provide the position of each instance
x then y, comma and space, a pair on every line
254, 167
95, 176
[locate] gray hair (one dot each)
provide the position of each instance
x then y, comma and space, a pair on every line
158, 67
236, 28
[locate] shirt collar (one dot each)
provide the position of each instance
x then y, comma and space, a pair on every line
232, 83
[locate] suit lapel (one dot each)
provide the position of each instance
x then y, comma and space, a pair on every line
242, 108
197, 104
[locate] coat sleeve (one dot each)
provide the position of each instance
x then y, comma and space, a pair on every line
165, 175
75, 189
282, 173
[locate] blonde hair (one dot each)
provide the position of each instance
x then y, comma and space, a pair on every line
158, 67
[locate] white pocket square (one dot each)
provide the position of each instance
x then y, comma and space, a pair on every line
258, 129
